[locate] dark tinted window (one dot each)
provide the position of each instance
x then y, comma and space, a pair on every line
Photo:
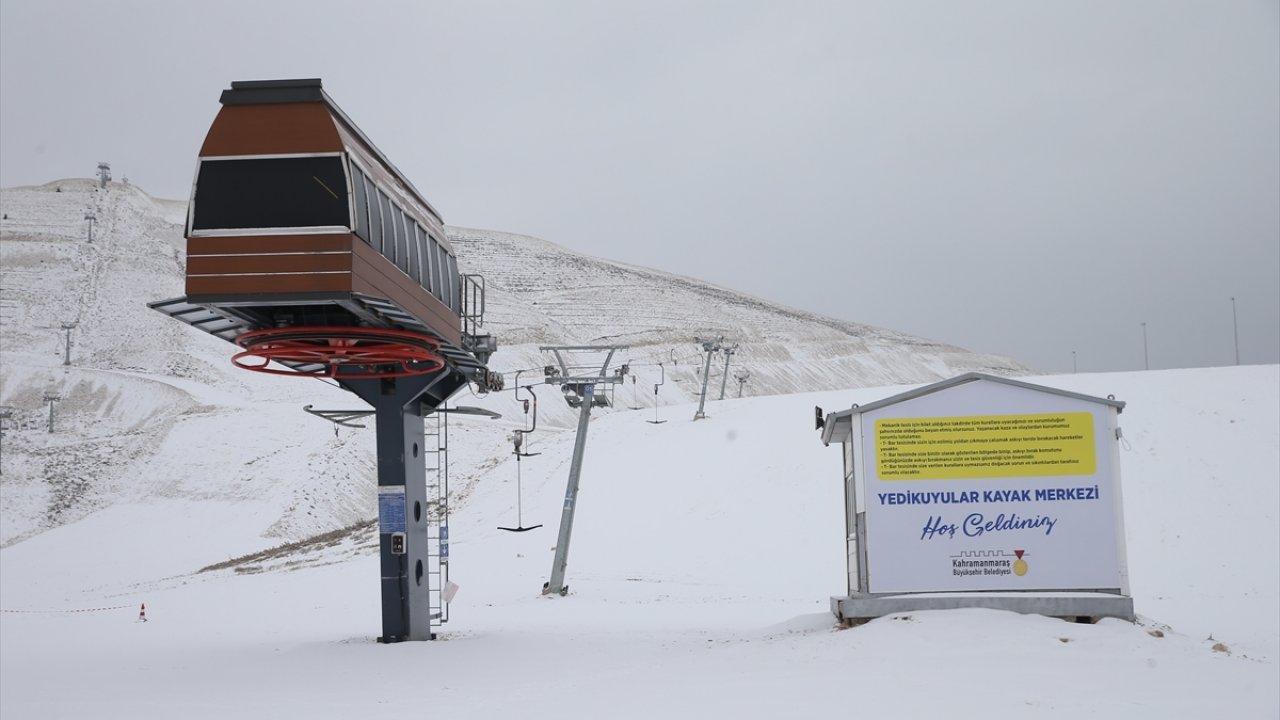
271, 193
375, 215
427, 261
386, 244
402, 241
393, 234
413, 233
361, 203
437, 270
455, 288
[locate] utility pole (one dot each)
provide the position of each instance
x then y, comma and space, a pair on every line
742, 380
51, 398
728, 353
1073, 362
1146, 362
104, 174
578, 382
1235, 329
66, 358
710, 347
90, 217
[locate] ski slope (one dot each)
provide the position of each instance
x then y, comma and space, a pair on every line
702, 559
703, 554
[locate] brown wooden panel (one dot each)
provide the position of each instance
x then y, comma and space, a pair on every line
373, 274
267, 284
269, 244
257, 263
272, 129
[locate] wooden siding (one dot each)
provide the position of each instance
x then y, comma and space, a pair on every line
254, 286
262, 266
272, 130
265, 263
241, 244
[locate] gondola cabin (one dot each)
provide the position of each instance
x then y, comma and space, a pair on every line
302, 237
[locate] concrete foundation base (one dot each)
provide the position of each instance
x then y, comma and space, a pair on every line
859, 608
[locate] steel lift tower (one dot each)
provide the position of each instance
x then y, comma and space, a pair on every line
309, 250
579, 383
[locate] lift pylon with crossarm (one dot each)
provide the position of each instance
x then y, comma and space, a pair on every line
579, 383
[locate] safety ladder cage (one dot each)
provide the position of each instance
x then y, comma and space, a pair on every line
436, 450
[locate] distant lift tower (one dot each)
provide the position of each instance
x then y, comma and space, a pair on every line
728, 353
579, 383
51, 398
104, 174
68, 327
6, 412
710, 347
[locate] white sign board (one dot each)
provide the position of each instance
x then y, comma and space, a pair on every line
987, 487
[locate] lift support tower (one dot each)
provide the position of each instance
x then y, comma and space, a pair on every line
579, 383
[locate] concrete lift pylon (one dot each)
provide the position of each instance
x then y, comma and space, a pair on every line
579, 388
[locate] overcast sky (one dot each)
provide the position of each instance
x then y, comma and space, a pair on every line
1023, 178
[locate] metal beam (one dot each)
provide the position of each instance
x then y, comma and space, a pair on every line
561, 561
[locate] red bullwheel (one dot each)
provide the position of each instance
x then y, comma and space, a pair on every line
375, 353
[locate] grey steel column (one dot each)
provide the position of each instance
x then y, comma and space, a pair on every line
561, 561
702, 399
402, 502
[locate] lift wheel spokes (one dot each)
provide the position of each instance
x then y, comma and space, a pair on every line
369, 352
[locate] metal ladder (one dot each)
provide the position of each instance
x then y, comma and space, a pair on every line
436, 450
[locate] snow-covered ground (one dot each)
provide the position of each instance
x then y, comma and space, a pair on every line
703, 555
703, 558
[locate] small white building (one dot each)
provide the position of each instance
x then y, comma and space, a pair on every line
981, 491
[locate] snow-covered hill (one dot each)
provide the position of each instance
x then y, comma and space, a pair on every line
542, 294
139, 381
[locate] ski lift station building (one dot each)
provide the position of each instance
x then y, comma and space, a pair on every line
982, 491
